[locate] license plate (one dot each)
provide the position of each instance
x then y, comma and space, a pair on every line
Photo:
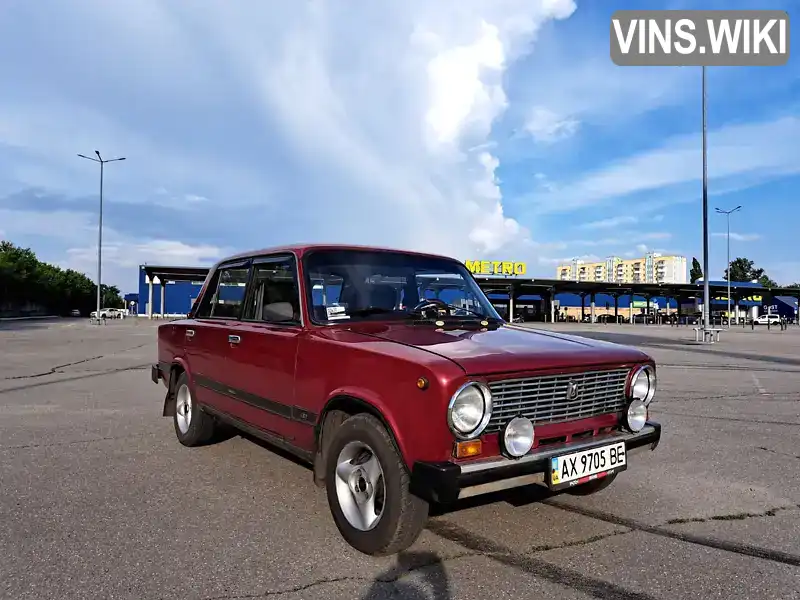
580, 467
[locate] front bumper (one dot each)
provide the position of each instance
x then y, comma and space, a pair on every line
446, 482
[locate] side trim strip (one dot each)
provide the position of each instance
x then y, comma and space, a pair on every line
291, 413
267, 436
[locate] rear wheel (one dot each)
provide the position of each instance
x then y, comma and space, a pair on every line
367, 487
192, 426
592, 487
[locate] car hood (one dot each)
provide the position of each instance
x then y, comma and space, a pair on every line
506, 348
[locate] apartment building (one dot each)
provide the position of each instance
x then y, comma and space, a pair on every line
651, 268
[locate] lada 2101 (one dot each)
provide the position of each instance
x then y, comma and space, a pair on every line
394, 377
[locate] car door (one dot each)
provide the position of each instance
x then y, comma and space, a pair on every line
263, 360
207, 339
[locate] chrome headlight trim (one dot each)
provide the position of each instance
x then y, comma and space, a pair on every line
643, 371
486, 394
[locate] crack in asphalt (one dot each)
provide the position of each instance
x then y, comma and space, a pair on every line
535, 566
291, 590
76, 378
576, 543
778, 452
709, 542
733, 517
54, 370
76, 442
58, 368
398, 573
734, 419
417, 563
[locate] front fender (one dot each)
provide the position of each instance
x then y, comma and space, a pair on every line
377, 404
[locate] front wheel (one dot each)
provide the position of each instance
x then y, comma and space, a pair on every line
367, 485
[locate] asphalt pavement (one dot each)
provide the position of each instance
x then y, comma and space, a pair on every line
99, 500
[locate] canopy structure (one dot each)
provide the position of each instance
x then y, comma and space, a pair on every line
514, 289
165, 273
161, 275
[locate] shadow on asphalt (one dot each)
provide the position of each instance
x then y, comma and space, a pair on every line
436, 583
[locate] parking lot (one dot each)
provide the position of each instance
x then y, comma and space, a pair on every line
99, 500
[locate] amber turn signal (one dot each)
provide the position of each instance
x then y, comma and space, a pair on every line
467, 449
422, 383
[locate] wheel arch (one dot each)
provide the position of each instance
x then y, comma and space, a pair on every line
176, 367
351, 403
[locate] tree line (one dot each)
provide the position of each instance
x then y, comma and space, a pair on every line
741, 269
29, 286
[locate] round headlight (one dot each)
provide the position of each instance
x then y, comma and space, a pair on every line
469, 410
636, 416
643, 384
518, 436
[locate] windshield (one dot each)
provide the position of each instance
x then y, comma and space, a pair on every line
355, 285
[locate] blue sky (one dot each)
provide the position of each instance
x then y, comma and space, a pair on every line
483, 129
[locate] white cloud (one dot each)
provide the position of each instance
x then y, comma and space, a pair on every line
75, 236
128, 254
611, 222
376, 122
67, 227
656, 235
641, 248
546, 126
739, 237
762, 150
574, 84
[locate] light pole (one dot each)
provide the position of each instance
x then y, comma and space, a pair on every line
706, 292
727, 213
102, 162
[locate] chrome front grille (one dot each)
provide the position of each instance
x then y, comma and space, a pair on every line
544, 399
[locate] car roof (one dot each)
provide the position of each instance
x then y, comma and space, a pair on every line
301, 249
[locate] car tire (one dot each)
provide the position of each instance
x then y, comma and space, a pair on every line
592, 487
193, 426
398, 516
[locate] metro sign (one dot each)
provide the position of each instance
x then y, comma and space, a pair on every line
496, 267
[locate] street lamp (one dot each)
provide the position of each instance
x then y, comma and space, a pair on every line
727, 214
706, 291
102, 162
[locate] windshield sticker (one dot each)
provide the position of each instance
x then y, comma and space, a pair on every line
336, 312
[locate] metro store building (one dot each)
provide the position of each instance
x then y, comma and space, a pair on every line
170, 291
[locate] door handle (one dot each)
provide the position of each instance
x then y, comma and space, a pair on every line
234, 339
189, 333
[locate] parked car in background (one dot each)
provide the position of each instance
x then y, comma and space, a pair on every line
392, 375
109, 313
771, 319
